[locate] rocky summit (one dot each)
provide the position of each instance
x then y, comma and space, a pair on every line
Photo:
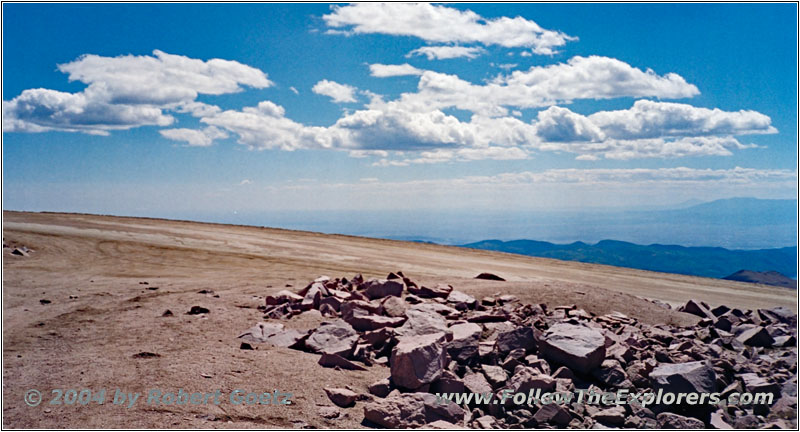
433, 340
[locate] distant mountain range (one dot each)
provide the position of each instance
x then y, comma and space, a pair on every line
766, 278
712, 262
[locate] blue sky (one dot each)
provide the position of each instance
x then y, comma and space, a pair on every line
153, 109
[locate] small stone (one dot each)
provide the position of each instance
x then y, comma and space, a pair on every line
380, 388
341, 397
197, 310
328, 412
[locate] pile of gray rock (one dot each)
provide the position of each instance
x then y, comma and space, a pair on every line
438, 339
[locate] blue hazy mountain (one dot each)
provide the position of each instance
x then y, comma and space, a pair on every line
713, 262
741, 222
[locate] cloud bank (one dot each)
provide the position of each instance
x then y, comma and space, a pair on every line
446, 118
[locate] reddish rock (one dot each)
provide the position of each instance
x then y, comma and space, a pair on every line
412, 410
418, 360
461, 301
464, 345
336, 337
688, 377
362, 320
394, 306
383, 288
668, 420
439, 291
283, 296
341, 397
580, 348
335, 360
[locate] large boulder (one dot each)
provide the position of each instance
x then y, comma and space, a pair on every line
418, 360
697, 377
756, 336
464, 346
580, 348
383, 288
412, 410
520, 337
336, 337
422, 322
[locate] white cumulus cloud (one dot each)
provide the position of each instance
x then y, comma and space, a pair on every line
340, 93
128, 91
383, 70
447, 52
193, 137
441, 24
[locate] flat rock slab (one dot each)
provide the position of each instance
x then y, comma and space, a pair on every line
440, 290
334, 360
336, 337
578, 347
274, 334
287, 338
362, 320
421, 322
261, 331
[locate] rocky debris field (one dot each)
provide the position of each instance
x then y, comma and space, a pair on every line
438, 339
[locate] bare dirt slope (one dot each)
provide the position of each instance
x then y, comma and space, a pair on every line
92, 269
